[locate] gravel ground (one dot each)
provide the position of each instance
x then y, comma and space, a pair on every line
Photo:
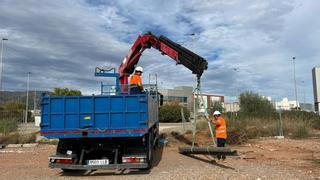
259, 159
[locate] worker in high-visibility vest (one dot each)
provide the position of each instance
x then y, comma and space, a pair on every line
136, 81
221, 131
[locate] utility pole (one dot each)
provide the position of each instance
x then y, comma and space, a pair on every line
236, 70
34, 101
1, 61
280, 124
295, 82
27, 101
304, 92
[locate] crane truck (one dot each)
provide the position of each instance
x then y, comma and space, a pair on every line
116, 129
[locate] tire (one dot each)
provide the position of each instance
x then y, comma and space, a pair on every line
156, 136
149, 151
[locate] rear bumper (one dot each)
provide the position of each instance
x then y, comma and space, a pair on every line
89, 167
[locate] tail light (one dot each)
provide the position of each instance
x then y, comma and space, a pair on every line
64, 161
61, 160
134, 159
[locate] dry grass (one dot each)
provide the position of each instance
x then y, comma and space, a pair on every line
240, 131
48, 141
202, 124
17, 138
7, 126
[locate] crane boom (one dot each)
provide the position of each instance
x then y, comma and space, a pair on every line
180, 54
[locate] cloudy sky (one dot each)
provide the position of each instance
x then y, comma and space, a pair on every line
249, 44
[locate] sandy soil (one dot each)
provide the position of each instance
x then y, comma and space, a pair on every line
259, 159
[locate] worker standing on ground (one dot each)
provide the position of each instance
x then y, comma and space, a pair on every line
136, 81
221, 131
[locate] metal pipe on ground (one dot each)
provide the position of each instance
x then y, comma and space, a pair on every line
208, 150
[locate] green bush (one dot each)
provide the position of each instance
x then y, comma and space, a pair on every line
171, 112
65, 92
254, 105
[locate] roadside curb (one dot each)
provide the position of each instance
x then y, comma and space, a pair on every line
19, 145
30, 145
14, 146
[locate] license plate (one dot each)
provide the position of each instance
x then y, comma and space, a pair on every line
97, 162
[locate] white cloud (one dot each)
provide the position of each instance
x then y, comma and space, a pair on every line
62, 41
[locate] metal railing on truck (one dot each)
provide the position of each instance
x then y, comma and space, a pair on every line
108, 89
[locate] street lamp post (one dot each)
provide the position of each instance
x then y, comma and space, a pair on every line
304, 93
236, 70
295, 82
281, 124
1, 61
237, 88
27, 101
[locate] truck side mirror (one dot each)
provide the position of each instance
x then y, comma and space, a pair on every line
161, 99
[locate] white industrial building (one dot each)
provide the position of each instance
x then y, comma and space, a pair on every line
231, 107
285, 104
316, 88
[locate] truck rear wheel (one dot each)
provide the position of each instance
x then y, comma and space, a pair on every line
149, 150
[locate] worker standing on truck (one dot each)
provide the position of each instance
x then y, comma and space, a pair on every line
136, 81
221, 131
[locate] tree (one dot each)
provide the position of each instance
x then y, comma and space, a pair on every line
65, 92
215, 106
254, 105
171, 112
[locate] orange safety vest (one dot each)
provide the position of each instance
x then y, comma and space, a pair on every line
221, 128
135, 80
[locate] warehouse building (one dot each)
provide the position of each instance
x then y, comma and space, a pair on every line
181, 94
184, 95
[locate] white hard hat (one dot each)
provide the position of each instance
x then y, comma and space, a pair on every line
216, 113
139, 68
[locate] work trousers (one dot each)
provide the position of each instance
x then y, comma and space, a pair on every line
135, 90
221, 142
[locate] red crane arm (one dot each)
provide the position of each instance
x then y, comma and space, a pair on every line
167, 47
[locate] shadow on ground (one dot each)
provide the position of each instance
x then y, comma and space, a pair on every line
210, 161
181, 138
